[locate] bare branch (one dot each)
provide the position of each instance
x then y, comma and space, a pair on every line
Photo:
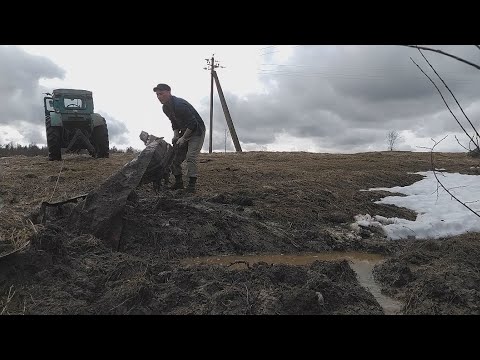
444, 188
448, 107
463, 112
458, 187
461, 144
433, 167
478, 47
446, 54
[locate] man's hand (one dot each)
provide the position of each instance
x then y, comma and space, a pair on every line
176, 136
181, 141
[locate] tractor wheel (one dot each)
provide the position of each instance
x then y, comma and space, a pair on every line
54, 140
100, 138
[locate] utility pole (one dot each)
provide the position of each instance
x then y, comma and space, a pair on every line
211, 66
233, 133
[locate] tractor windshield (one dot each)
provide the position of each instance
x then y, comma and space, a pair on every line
73, 103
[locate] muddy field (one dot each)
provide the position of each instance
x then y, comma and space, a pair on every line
210, 253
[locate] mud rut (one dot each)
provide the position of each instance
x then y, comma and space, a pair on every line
70, 272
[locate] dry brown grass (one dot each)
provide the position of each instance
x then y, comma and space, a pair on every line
25, 182
15, 229
295, 188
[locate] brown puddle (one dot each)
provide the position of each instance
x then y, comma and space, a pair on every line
361, 263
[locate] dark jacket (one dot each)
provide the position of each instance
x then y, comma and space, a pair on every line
183, 115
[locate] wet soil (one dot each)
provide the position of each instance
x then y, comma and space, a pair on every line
246, 204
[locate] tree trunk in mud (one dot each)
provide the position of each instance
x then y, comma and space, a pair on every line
101, 214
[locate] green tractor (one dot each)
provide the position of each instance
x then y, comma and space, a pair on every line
71, 124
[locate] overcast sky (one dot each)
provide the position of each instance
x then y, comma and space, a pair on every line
315, 98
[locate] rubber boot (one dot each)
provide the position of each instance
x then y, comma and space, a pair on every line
178, 183
191, 185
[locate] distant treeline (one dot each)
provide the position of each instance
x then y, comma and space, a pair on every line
34, 150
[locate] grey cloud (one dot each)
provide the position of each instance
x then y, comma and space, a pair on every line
117, 130
350, 96
355, 138
377, 74
4, 138
322, 123
34, 134
21, 96
20, 92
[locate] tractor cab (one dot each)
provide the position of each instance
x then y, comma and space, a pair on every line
72, 124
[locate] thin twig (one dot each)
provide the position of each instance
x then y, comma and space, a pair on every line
444, 53
123, 302
461, 144
450, 91
444, 188
448, 107
457, 187
33, 226
9, 298
476, 144
478, 47
248, 302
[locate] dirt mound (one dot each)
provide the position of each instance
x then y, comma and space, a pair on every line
435, 276
68, 271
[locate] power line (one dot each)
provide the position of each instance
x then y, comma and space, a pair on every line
350, 71
353, 78
267, 47
271, 52
345, 76
353, 67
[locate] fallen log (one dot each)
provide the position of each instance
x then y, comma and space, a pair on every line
101, 213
